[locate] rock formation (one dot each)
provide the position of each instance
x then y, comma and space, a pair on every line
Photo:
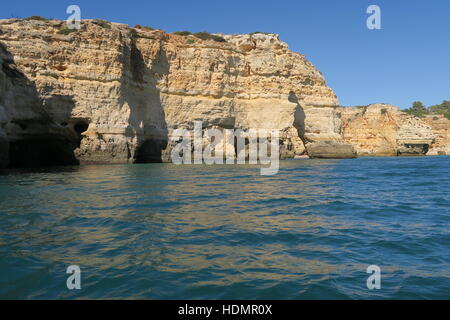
384, 130
441, 129
322, 133
28, 137
123, 90
116, 94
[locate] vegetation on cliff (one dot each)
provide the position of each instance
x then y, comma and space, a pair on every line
37, 18
201, 35
67, 31
419, 110
102, 23
138, 26
260, 32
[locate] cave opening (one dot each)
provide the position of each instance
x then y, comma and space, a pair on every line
80, 127
150, 151
410, 149
41, 152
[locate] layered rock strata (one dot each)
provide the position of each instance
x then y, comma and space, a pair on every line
441, 129
117, 93
322, 133
28, 136
124, 90
384, 130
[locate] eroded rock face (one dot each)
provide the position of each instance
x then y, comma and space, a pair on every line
28, 137
4, 150
91, 85
441, 129
322, 133
121, 92
384, 130
4, 143
331, 150
128, 89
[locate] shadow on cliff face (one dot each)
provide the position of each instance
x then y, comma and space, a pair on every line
59, 108
147, 118
34, 139
299, 116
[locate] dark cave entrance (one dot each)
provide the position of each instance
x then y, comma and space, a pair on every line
81, 126
41, 152
150, 151
410, 149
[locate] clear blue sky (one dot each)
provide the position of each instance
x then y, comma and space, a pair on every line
408, 60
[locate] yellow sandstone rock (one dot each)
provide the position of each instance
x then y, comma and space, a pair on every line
384, 130
441, 129
119, 92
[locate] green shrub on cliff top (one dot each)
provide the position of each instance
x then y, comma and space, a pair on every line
259, 32
102, 23
419, 110
138, 26
209, 36
183, 33
201, 35
443, 108
38, 18
67, 31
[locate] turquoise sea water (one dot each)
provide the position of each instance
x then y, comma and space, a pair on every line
160, 231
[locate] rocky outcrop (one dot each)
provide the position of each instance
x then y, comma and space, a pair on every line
4, 143
124, 90
117, 93
384, 130
28, 137
93, 82
322, 133
441, 129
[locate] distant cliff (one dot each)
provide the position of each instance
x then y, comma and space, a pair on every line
116, 93
441, 129
384, 130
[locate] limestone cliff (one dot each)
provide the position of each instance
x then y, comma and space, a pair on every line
123, 90
441, 129
322, 133
384, 130
28, 136
114, 94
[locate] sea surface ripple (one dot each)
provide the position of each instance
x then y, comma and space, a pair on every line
161, 231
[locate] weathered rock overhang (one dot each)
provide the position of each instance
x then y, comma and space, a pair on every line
413, 147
